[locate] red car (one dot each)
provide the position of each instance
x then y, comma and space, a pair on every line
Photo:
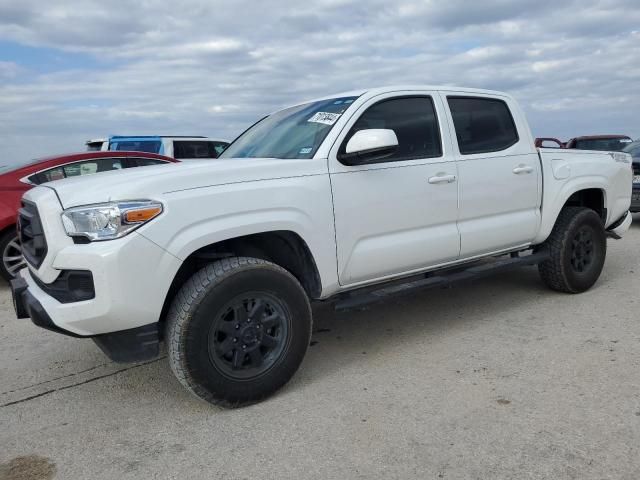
15, 181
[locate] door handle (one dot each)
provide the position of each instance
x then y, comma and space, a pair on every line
520, 169
442, 178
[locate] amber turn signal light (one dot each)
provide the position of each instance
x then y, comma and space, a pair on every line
142, 214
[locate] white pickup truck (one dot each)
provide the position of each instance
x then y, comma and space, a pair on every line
349, 198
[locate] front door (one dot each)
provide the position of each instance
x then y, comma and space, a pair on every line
398, 215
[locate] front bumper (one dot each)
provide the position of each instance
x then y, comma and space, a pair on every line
134, 345
131, 276
26, 305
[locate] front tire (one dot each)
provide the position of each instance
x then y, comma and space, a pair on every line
238, 330
12, 259
578, 248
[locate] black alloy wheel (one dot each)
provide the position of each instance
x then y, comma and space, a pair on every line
249, 336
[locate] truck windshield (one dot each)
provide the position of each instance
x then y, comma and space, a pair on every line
605, 144
294, 132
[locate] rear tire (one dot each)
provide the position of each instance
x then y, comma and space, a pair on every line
12, 259
578, 248
238, 330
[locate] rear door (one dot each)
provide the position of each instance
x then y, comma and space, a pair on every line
500, 173
398, 215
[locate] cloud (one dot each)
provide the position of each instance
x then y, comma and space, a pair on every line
213, 68
9, 70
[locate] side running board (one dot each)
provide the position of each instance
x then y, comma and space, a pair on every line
438, 279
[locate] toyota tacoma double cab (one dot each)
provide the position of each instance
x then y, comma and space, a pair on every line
349, 198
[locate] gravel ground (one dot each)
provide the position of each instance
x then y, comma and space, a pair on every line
499, 379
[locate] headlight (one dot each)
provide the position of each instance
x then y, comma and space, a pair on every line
107, 221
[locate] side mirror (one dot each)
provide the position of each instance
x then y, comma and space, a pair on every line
369, 146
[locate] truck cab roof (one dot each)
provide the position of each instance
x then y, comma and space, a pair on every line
400, 87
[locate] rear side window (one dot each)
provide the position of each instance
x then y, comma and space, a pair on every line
414, 121
197, 149
482, 124
89, 167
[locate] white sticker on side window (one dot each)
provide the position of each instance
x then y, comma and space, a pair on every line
325, 117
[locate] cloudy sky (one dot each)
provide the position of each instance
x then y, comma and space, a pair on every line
73, 70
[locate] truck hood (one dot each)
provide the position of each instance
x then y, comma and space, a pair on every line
156, 181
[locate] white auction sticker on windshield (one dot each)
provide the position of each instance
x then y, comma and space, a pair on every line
325, 117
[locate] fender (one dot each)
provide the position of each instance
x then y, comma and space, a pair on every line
226, 227
198, 218
556, 194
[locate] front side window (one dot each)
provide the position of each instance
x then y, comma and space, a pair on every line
414, 121
295, 132
482, 124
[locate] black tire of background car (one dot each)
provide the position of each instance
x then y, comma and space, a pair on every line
199, 309
578, 248
8, 239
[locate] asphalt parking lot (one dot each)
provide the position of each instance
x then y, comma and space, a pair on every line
499, 379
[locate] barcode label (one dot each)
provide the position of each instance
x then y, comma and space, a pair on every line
325, 117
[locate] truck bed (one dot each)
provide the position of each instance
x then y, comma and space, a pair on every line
565, 169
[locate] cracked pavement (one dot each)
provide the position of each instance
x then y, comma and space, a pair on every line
497, 379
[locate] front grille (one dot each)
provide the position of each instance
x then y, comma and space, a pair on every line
34, 245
